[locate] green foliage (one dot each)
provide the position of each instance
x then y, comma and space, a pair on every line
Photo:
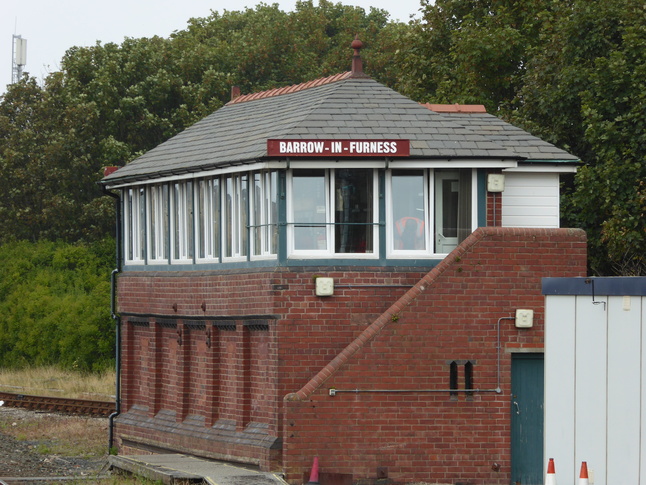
110, 103
585, 91
570, 72
471, 51
55, 305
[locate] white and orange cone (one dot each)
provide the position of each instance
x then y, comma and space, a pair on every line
550, 478
583, 476
314, 474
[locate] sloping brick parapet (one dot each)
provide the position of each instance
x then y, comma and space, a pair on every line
400, 422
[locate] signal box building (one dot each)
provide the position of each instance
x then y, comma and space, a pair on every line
333, 270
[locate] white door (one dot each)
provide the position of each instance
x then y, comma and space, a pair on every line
447, 191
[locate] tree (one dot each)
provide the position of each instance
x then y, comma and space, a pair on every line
570, 72
54, 302
584, 91
471, 51
112, 102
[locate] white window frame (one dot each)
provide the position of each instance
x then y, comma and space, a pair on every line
263, 214
329, 250
429, 216
234, 237
207, 220
391, 222
158, 223
182, 210
134, 225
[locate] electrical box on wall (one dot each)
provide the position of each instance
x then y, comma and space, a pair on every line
324, 286
524, 318
495, 182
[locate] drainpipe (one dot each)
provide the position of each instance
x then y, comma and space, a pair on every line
115, 316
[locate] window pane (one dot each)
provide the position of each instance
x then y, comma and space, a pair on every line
189, 240
264, 213
128, 224
152, 221
353, 210
183, 220
158, 222
178, 220
257, 201
141, 223
308, 199
202, 218
272, 212
235, 216
207, 221
215, 218
229, 217
166, 220
243, 229
409, 210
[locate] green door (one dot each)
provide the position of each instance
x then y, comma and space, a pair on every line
527, 389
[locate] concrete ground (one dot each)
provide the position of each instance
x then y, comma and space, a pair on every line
173, 469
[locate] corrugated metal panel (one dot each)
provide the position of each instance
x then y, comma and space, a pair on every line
595, 387
624, 385
560, 317
590, 388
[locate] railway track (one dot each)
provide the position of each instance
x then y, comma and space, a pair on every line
81, 407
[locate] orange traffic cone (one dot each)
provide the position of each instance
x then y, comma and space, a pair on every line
583, 476
550, 478
314, 475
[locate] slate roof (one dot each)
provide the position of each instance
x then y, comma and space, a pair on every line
476, 119
339, 107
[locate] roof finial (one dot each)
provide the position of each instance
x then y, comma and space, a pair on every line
357, 64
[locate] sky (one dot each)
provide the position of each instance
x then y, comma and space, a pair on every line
52, 27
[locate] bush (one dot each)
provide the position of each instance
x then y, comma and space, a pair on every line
55, 305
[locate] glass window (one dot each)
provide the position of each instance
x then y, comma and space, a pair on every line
134, 224
208, 219
309, 209
354, 211
333, 211
182, 220
158, 223
235, 216
409, 202
413, 214
264, 214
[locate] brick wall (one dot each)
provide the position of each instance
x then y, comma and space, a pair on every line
451, 315
209, 356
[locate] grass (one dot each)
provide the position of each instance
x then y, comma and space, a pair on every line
54, 382
61, 435
68, 436
65, 436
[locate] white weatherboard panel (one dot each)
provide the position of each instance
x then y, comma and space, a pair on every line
560, 317
624, 390
531, 200
590, 392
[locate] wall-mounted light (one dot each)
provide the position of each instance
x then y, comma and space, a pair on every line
324, 286
495, 182
524, 318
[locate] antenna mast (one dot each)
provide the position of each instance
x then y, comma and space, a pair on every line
18, 57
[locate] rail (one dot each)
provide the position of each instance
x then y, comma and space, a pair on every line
82, 407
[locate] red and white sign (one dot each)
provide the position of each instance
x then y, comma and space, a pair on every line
338, 148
